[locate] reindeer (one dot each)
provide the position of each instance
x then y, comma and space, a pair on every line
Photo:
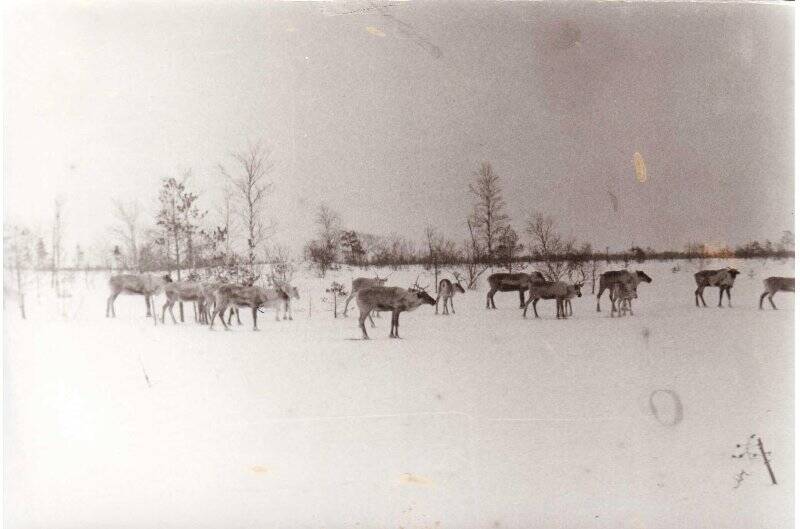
363, 282
287, 304
184, 291
773, 285
240, 296
622, 293
505, 282
557, 290
722, 278
612, 277
448, 290
138, 284
395, 299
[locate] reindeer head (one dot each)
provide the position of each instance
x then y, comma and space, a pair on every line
578, 287
643, 277
733, 272
167, 278
423, 297
420, 292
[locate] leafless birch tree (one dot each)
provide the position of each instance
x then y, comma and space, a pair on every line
127, 229
252, 187
488, 218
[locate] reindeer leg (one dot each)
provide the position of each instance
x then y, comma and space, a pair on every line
521, 298
771, 302
255, 318
728, 291
437, 303
761, 300
535, 312
361, 318
525, 308
599, 295
452, 307
147, 303
110, 305
699, 294
347, 301
721, 292
396, 318
371, 321
490, 298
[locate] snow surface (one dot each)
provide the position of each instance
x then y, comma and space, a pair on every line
478, 419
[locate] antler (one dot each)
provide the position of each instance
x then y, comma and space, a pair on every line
416, 284
458, 277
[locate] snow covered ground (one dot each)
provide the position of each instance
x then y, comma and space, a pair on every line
479, 419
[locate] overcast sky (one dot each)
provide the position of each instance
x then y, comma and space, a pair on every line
385, 112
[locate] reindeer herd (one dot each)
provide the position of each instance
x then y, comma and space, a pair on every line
212, 300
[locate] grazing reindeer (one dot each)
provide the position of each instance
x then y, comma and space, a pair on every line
139, 284
505, 282
772, 285
557, 290
394, 299
363, 282
722, 278
612, 277
184, 291
448, 290
239, 296
622, 293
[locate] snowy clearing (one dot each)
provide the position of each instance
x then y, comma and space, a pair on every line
478, 419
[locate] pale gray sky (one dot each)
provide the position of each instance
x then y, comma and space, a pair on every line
384, 112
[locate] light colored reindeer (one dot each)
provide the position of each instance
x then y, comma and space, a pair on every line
447, 291
622, 293
722, 278
240, 296
363, 282
145, 285
773, 285
557, 290
184, 291
394, 299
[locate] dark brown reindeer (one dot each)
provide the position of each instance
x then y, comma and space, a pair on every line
613, 277
135, 284
722, 278
448, 290
394, 299
773, 285
510, 282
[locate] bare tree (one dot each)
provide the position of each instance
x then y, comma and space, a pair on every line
252, 189
548, 246
18, 248
435, 243
488, 218
473, 253
323, 251
58, 231
127, 230
225, 212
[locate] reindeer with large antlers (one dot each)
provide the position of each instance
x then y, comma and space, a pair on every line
447, 290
